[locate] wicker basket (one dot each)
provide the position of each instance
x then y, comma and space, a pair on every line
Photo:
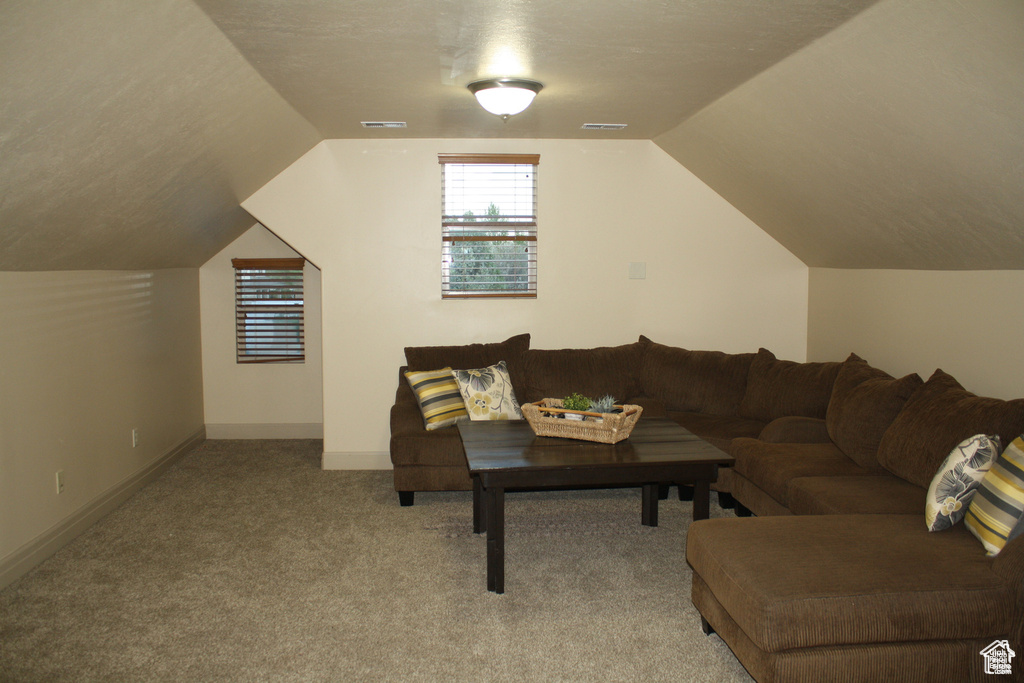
600, 427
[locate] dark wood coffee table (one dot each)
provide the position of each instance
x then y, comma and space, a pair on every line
507, 455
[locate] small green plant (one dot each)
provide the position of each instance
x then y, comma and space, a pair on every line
605, 404
575, 401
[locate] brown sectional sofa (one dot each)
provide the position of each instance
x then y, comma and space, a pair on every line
715, 395
837, 577
434, 460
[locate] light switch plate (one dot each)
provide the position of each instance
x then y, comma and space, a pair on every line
638, 270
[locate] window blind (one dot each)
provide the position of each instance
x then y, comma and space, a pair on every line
489, 225
269, 321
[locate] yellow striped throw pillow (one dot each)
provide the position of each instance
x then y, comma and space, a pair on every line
995, 513
439, 397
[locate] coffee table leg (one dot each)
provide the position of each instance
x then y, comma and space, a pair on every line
701, 499
495, 539
479, 516
649, 512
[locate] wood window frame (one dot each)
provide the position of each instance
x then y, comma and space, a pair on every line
259, 337
456, 231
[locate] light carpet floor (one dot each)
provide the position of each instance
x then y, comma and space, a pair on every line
246, 562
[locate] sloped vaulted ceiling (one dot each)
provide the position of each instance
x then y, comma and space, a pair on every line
896, 141
129, 133
858, 133
648, 63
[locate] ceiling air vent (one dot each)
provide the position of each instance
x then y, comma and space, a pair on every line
383, 124
603, 126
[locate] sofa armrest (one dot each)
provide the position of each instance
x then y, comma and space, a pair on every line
795, 429
406, 417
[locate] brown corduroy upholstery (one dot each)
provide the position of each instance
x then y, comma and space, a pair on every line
709, 382
795, 429
907, 662
719, 430
835, 580
594, 372
466, 356
472, 356
422, 460
754, 499
865, 401
777, 388
939, 415
434, 461
771, 466
879, 494
432, 478
838, 578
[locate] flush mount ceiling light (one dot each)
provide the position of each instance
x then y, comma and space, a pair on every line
505, 97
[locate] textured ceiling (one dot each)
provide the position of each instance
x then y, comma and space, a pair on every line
129, 133
647, 63
857, 133
896, 141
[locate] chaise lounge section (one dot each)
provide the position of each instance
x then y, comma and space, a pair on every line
838, 577
854, 597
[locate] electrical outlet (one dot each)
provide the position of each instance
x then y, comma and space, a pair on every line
60, 481
135, 438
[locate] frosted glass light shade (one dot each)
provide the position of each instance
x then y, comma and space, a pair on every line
505, 96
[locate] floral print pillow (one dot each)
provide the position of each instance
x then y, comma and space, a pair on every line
958, 479
488, 393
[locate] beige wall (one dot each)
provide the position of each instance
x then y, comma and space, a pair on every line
85, 357
367, 213
968, 323
257, 400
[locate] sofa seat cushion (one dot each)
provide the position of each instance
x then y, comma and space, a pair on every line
939, 415
832, 580
777, 388
864, 402
441, 448
718, 430
594, 372
795, 429
854, 495
771, 466
695, 381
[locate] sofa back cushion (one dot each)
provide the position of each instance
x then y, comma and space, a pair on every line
473, 356
865, 401
687, 381
556, 373
779, 388
939, 415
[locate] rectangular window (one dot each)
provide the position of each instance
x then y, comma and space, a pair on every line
488, 225
268, 310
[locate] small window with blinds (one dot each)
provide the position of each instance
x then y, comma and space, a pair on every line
488, 225
268, 310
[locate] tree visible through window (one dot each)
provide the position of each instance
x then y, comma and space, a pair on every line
269, 310
489, 225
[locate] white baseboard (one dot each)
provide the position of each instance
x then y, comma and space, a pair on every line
356, 461
287, 430
19, 562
